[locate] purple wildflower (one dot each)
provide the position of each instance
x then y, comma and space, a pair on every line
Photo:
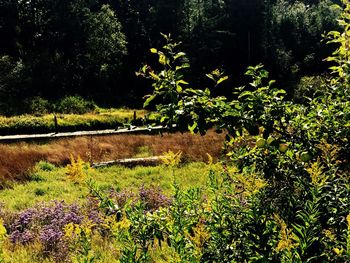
153, 198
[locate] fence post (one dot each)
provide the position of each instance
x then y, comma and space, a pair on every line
56, 123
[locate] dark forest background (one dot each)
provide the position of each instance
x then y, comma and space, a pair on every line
92, 48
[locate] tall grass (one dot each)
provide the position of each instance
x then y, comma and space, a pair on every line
54, 184
18, 159
99, 119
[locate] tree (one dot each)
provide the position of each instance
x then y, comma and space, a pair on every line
300, 151
105, 49
68, 47
292, 43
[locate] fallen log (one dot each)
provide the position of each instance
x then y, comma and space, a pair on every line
132, 162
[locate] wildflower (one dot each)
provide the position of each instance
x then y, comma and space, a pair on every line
124, 224
201, 236
76, 170
318, 178
3, 231
337, 251
286, 241
153, 198
69, 230
251, 184
171, 159
329, 234
50, 235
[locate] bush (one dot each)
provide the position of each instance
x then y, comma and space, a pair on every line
38, 106
309, 87
289, 198
75, 105
45, 166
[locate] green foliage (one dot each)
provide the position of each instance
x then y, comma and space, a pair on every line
2, 239
80, 237
101, 119
54, 49
309, 87
106, 43
75, 105
45, 166
57, 186
304, 158
13, 82
292, 41
287, 197
39, 106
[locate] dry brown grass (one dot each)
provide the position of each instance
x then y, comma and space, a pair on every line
17, 159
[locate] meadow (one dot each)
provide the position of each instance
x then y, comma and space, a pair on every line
56, 217
48, 182
95, 119
277, 189
18, 159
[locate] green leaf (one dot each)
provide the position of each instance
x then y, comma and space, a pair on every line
245, 93
162, 59
153, 50
153, 75
178, 55
221, 80
149, 99
181, 81
191, 128
144, 68
184, 66
210, 76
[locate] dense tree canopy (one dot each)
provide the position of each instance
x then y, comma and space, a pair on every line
53, 48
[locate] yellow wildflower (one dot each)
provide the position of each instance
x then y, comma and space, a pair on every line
286, 241
124, 224
251, 184
171, 159
2, 230
77, 169
337, 251
329, 234
318, 178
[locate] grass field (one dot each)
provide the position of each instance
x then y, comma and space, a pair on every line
99, 119
19, 159
51, 183
51, 199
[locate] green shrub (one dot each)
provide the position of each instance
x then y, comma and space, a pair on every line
38, 106
296, 156
39, 191
309, 87
75, 105
45, 166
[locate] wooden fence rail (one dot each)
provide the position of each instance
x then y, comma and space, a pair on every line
45, 136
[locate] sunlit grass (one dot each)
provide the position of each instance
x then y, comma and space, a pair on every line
54, 185
101, 118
